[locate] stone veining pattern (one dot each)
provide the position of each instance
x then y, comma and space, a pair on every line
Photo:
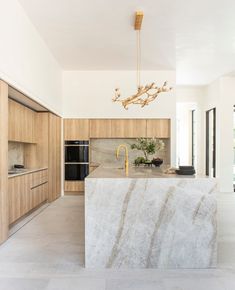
150, 223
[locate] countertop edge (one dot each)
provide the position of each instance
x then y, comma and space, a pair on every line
27, 172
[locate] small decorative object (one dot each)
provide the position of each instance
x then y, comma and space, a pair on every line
148, 147
186, 170
145, 94
170, 170
139, 160
157, 161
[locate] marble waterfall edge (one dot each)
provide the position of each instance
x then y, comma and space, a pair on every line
150, 223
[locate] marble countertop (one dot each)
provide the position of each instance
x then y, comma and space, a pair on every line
112, 171
25, 171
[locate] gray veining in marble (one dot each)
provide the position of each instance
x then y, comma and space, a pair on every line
103, 151
51, 240
150, 222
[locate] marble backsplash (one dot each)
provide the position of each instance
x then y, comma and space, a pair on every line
103, 151
15, 154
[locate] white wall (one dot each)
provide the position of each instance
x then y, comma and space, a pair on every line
88, 94
188, 98
25, 61
220, 95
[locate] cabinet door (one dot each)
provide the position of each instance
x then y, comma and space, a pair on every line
28, 125
54, 166
100, 128
58, 157
76, 129
24, 193
159, 128
73, 186
21, 123
14, 199
39, 194
128, 128
15, 121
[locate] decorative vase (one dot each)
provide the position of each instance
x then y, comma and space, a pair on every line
157, 162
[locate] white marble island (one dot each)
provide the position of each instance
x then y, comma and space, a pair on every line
149, 220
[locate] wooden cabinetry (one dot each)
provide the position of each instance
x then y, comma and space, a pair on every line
76, 129
128, 128
100, 128
26, 192
21, 122
73, 187
54, 157
3, 161
159, 128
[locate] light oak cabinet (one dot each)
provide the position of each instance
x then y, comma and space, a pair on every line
54, 157
76, 129
21, 123
160, 128
128, 128
26, 192
4, 229
74, 187
100, 128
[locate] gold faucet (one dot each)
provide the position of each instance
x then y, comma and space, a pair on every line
126, 157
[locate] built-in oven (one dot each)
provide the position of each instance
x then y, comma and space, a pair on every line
76, 159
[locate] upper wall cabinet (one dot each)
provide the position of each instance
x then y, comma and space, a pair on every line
100, 128
76, 129
21, 123
159, 128
128, 128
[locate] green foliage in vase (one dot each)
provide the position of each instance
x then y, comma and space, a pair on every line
148, 147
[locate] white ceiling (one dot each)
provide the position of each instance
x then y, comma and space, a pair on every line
195, 37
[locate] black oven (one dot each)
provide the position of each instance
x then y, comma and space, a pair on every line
76, 159
76, 151
76, 171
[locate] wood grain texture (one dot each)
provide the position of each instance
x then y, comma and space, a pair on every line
4, 213
128, 128
26, 192
100, 128
21, 123
54, 157
159, 128
73, 186
76, 129
42, 139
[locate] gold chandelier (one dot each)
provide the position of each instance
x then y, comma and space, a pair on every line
145, 94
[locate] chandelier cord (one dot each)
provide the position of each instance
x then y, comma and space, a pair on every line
138, 58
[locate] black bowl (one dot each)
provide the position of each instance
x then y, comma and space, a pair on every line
157, 162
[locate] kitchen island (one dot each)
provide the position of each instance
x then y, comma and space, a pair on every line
149, 219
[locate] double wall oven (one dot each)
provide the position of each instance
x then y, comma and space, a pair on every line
76, 160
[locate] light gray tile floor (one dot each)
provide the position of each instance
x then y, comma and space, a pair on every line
48, 253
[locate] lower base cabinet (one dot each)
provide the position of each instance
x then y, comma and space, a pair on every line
26, 192
73, 187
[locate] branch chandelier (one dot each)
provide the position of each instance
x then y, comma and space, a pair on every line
145, 94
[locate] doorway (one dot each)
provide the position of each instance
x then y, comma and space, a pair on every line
211, 142
234, 148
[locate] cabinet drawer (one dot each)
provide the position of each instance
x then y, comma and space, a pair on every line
39, 177
74, 186
39, 194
